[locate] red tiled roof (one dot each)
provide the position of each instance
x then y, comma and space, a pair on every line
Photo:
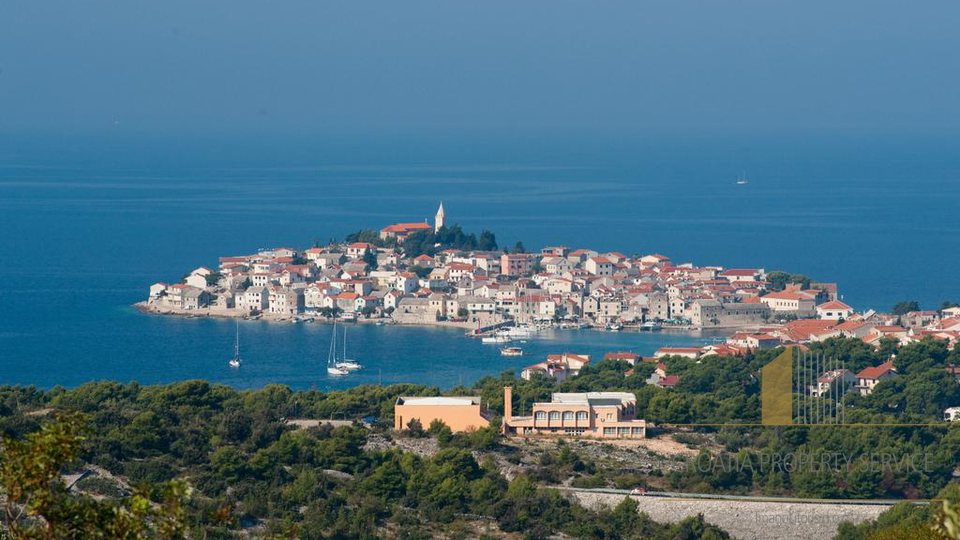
621, 355
835, 304
405, 227
669, 380
740, 272
876, 372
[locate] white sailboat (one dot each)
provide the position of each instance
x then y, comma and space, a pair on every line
344, 362
332, 368
235, 361
742, 180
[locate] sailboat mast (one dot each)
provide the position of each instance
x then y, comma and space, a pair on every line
236, 343
333, 344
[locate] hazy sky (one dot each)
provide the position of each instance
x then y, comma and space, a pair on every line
323, 66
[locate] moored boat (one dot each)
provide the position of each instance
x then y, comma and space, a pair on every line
332, 368
511, 351
344, 362
235, 361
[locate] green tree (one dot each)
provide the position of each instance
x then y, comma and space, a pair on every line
421, 271
369, 236
415, 428
904, 307
779, 280
213, 278
487, 241
30, 477
370, 258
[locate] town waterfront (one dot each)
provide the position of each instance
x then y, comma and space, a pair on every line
83, 239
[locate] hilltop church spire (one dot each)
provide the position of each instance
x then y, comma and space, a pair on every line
441, 218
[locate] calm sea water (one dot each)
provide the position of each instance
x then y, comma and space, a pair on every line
85, 228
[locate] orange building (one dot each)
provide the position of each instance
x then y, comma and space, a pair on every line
402, 230
457, 412
585, 414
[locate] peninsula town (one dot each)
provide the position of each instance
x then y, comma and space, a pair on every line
408, 273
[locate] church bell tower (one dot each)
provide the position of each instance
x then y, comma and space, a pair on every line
441, 219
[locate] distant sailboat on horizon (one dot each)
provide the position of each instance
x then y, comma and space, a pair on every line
235, 361
742, 180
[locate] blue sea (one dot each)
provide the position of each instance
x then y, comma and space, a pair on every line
86, 225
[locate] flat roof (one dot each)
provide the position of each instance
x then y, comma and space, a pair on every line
593, 398
439, 400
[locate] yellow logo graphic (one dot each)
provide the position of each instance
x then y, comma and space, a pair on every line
776, 391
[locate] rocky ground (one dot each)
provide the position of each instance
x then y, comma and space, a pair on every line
749, 520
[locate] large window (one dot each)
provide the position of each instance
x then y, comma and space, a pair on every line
582, 415
554, 415
568, 415
540, 415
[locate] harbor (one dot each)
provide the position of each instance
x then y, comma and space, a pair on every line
296, 355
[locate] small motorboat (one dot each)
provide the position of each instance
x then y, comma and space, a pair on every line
348, 365
614, 327
511, 351
495, 339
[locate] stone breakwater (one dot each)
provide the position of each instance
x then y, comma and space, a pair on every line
748, 520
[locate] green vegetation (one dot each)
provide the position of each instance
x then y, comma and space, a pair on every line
936, 521
453, 237
902, 308
369, 236
252, 475
420, 271
371, 259
38, 505
779, 280
329, 312
726, 390
213, 278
